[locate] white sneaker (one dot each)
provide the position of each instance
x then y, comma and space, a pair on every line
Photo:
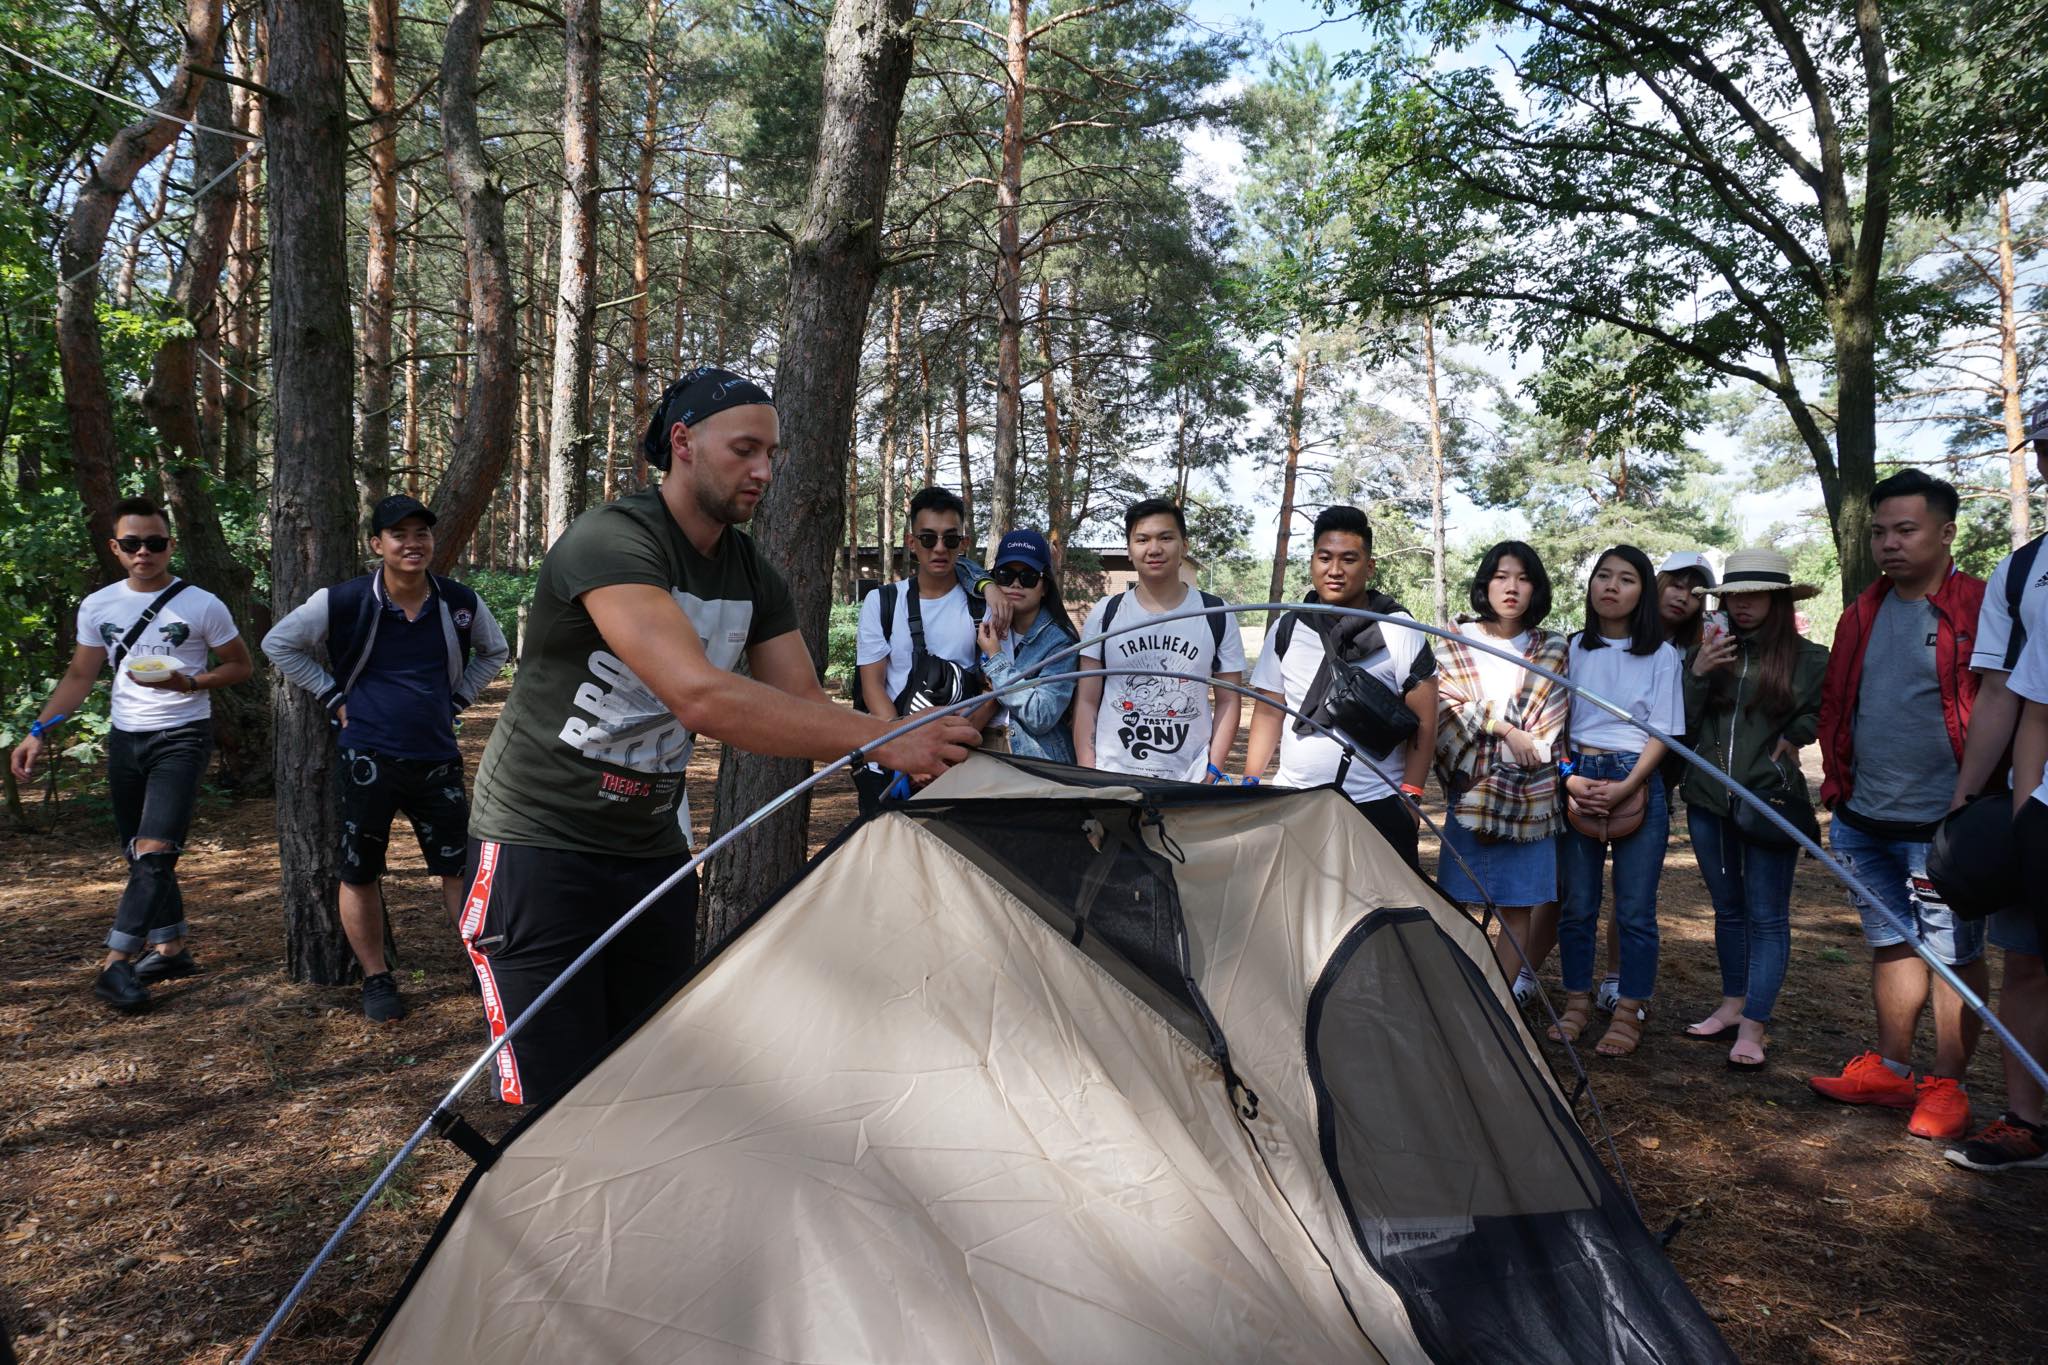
1525, 986
1608, 994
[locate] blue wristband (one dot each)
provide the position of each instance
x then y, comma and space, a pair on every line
1565, 768
1250, 780
43, 727
1216, 773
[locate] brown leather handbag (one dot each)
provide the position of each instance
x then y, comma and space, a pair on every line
1619, 822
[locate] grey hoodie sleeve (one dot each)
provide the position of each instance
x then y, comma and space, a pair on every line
490, 651
297, 646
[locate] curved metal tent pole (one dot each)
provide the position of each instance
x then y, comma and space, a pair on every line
442, 1115
1734, 788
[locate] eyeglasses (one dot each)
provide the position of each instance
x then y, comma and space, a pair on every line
1023, 578
156, 545
930, 539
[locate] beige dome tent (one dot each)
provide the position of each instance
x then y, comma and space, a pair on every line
1035, 1071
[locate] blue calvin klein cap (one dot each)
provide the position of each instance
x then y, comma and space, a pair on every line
1025, 547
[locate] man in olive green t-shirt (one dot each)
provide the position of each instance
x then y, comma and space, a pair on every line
642, 609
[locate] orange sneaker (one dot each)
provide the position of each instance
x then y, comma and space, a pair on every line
1943, 1110
1867, 1080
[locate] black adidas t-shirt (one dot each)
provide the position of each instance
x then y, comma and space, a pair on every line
585, 757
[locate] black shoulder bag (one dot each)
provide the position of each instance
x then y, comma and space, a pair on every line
149, 612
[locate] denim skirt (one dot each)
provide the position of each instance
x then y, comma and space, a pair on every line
1511, 874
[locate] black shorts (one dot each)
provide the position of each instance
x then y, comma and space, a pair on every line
528, 913
376, 787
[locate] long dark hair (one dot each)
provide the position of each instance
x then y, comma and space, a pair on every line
1688, 632
1057, 605
1539, 582
1645, 623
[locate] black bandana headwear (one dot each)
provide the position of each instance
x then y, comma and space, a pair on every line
696, 396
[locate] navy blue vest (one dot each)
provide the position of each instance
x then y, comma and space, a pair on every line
352, 609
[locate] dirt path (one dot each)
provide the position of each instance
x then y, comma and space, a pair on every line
164, 1179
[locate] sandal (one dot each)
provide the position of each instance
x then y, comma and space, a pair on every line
1708, 1030
1736, 1063
1577, 1013
1626, 1032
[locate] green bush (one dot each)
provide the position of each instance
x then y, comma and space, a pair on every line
842, 637
504, 591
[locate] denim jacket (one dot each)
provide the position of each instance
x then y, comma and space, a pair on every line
1038, 714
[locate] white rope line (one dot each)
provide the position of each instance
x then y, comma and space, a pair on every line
201, 350
18, 54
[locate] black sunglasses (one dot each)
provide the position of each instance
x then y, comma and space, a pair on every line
1023, 578
930, 539
156, 545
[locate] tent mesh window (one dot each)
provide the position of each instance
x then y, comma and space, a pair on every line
1467, 1183
1090, 872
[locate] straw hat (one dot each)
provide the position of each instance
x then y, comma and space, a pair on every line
1759, 571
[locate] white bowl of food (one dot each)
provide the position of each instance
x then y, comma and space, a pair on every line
151, 668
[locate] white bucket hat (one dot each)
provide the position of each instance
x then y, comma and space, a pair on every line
1760, 571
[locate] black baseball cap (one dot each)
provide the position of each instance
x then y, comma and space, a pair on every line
395, 509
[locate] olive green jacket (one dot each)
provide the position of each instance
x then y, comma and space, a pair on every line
1736, 737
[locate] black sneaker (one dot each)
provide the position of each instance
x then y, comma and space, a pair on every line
116, 984
153, 966
2009, 1144
381, 1001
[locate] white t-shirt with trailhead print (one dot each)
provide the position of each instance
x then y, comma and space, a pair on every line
1158, 726
1312, 759
2029, 681
948, 632
1994, 617
190, 624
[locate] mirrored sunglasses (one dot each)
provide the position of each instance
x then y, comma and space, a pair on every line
930, 539
1022, 578
156, 545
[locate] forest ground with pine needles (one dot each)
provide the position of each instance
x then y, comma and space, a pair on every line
164, 1179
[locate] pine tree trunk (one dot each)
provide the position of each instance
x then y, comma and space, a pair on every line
245, 273
2020, 517
312, 493
409, 427
1439, 590
380, 267
88, 406
1296, 402
643, 203
478, 456
1058, 473
885, 519
240, 714
960, 432
1009, 278
834, 262
569, 432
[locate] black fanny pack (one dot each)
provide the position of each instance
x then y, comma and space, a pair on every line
1346, 697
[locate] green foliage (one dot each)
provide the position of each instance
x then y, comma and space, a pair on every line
842, 644
504, 591
42, 579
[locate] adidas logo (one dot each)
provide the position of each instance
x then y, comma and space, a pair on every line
2042, 581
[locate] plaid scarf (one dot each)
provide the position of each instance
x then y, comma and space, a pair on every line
1491, 793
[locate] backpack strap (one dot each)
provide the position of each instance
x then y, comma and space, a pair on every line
917, 649
1109, 610
141, 622
2015, 589
887, 593
1218, 623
